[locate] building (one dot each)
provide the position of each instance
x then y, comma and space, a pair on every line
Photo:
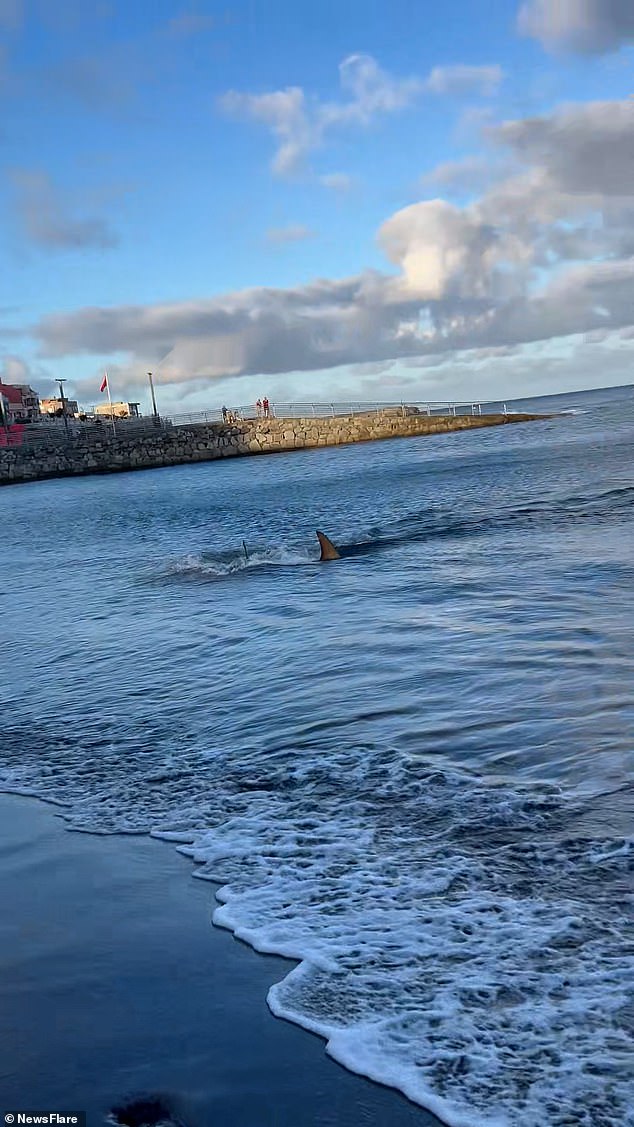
118, 410
53, 406
22, 403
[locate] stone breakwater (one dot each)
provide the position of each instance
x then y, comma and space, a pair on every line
203, 443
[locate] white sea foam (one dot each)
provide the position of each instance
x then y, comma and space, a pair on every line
200, 565
480, 970
457, 940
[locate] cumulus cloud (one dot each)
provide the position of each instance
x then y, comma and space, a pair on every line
48, 222
257, 330
591, 27
460, 79
448, 252
293, 233
506, 269
328, 324
286, 114
371, 91
584, 149
301, 124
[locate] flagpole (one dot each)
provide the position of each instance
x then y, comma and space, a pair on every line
114, 429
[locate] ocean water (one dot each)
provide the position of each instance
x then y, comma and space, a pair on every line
410, 770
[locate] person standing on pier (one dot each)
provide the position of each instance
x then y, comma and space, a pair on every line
265, 407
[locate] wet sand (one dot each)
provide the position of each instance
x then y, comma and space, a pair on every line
115, 984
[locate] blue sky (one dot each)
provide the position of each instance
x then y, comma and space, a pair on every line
241, 197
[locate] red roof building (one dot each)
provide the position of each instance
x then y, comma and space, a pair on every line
22, 403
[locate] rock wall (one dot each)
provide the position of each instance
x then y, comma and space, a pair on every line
180, 445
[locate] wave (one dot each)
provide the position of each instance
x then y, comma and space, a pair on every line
206, 565
456, 938
430, 523
434, 522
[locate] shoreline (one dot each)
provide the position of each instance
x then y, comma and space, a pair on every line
118, 985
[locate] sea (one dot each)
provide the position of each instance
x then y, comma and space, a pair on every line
410, 770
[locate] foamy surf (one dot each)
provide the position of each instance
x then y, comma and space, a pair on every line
455, 946
207, 566
456, 940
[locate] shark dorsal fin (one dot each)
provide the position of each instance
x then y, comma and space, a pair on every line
328, 550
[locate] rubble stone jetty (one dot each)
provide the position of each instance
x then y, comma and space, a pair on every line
180, 445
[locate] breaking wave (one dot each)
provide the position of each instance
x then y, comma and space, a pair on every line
465, 941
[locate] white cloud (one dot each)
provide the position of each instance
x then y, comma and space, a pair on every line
505, 270
286, 114
460, 79
372, 91
584, 149
301, 124
293, 233
328, 324
591, 27
447, 252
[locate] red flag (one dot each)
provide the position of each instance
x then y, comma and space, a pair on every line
104, 383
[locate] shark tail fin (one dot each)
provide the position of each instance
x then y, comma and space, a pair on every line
328, 550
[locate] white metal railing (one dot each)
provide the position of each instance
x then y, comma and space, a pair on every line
78, 432
324, 410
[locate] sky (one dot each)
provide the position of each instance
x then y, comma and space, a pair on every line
381, 200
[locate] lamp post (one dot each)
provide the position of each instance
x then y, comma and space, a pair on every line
63, 399
154, 410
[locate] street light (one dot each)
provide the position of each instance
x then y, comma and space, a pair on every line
61, 395
154, 410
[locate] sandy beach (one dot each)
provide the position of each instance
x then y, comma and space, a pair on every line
116, 984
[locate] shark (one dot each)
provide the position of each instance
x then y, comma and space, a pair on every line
328, 550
